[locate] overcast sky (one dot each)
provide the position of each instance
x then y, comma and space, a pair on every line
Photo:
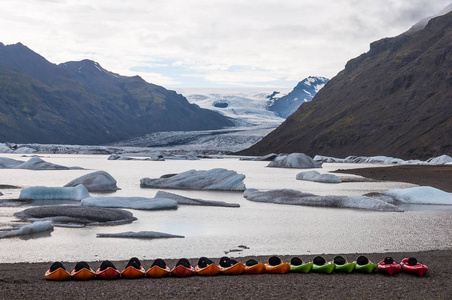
210, 43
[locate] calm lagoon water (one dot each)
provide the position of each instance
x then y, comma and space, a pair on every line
210, 231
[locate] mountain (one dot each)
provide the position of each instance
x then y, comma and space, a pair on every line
82, 103
303, 92
394, 100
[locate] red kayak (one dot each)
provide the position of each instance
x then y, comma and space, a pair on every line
389, 268
108, 273
182, 271
411, 265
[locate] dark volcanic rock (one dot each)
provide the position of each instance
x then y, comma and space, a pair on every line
394, 100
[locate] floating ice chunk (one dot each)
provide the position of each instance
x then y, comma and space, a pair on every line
328, 159
5, 149
1, 194
268, 157
131, 202
215, 179
9, 163
191, 201
420, 195
317, 177
36, 227
99, 181
25, 150
295, 160
140, 235
440, 160
54, 193
293, 197
76, 216
36, 163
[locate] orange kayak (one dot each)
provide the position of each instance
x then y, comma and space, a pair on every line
131, 272
210, 270
59, 274
278, 269
255, 269
158, 272
83, 274
182, 271
108, 273
236, 269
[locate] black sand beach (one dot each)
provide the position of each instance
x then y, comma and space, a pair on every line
26, 281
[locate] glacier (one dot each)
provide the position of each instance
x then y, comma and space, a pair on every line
36, 227
141, 203
78, 192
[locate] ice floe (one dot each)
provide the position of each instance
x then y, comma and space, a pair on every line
139, 235
268, 157
214, 179
78, 192
99, 181
76, 216
420, 195
34, 163
190, 201
293, 197
141, 203
295, 160
36, 227
440, 160
9, 163
317, 177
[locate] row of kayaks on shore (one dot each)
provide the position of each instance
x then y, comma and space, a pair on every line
228, 266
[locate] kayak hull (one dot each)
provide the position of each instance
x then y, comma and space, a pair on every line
418, 269
83, 274
367, 268
278, 269
236, 269
255, 269
326, 268
181, 271
59, 274
109, 273
132, 272
346, 268
157, 272
304, 268
389, 269
210, 270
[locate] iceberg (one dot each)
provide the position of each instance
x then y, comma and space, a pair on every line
190, 201
141, 203
36, 163
268, 157
420, 195
215, 179
440, 160
9, 163
54, 193
140, 235
5, 149
317, 177
99, 181
293, 197
76, 216
328, 159
295, 160
36, 227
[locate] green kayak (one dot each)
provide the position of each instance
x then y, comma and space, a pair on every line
347, 267
326, 268
367, 268
304, 268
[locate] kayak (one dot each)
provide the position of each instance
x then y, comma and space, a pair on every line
182, 271
418, 269
303, 268
235, 269
255, 269
278, 269
131, 272
366, 268
346, 268
58, 274
210, 270
389, 269
158, 272
108, 273
326, 268
83, 274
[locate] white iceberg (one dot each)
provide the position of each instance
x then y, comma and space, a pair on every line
54, 193
293, 197
5, 149
76, 216
440, 160
9, 163
420, 195
141, 203
215, 179
36, 227
139, 235
328, 159
295, 160
191, 201
99, 181
317, 177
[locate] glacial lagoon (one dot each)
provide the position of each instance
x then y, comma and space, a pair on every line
264, 228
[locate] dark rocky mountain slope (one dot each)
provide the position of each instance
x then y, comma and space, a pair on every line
82, 103
394, 100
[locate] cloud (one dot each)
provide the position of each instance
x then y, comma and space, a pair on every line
218, 42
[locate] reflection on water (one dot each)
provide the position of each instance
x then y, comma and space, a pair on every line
210, 231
